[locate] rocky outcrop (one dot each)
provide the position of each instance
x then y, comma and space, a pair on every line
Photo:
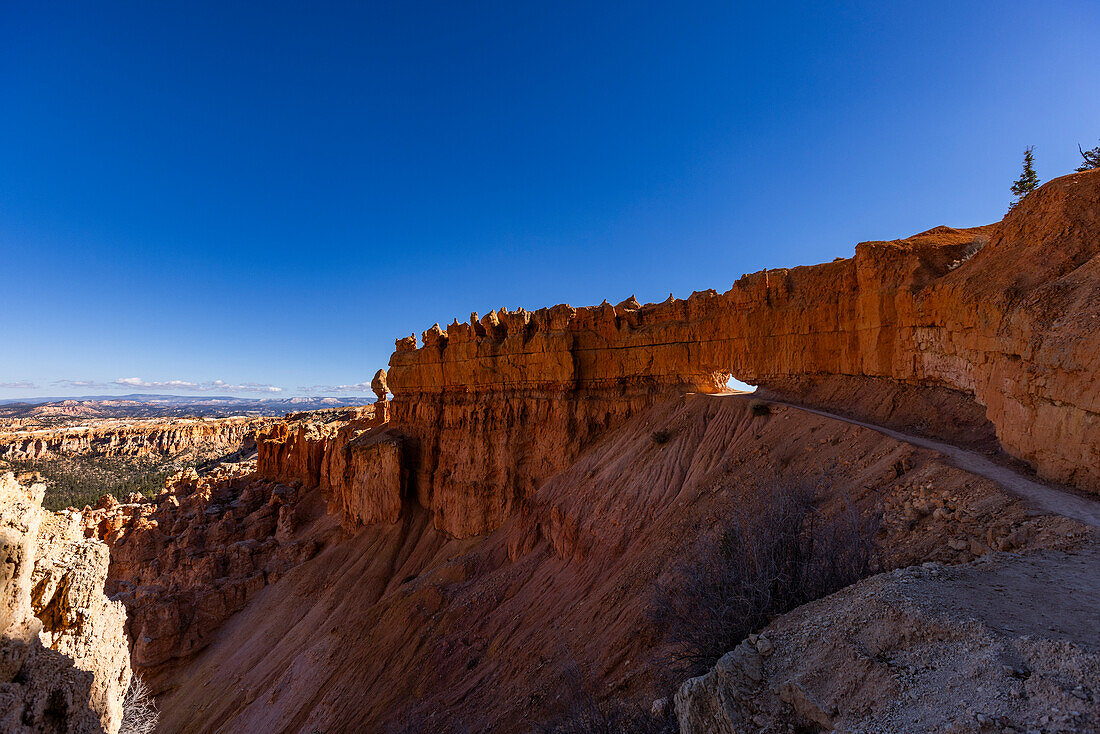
372, 481
64, 659
294, 451
475, 456
358, 462
186, 561
1007, 643
977, 336
563, 437
380, 386
1003, 315
135, 438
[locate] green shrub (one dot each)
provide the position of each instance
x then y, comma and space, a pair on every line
76, 481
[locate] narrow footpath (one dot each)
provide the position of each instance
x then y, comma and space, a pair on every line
1042, 496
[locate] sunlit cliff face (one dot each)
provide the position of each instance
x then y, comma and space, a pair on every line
928, 311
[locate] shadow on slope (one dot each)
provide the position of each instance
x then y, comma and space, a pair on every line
398, 623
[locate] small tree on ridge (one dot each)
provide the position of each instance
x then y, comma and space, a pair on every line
1028, 180
1092, 158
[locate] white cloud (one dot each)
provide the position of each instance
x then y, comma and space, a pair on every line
137, 383
79, 383
21, 385
336, 389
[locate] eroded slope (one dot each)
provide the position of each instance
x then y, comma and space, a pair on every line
398, 623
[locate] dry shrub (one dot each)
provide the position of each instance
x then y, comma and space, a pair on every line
759, 407
421, 722
139, 711
580, 712
607, 717
764, 562
660, 437
420, 718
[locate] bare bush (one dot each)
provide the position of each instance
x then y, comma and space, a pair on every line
783, 553
759, 407
420, 722
660, 437
580, 712
608, 717
423, 718
139, 711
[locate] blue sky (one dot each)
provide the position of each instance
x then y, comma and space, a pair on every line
259, 198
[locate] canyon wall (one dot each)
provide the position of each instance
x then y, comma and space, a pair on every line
982, 335
397, 627
1006, 315
363, 472
186, 561
562, 436
64, 658
135, 438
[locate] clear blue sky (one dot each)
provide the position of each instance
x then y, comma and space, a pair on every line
270, 193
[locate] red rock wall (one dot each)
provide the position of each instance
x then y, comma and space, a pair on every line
1006, 339
495, 405
361, 471
473, 456
185, 562
373, 482
294, 451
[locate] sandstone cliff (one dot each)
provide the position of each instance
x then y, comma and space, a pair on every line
363, 471
476, 634
1003, 318
133, 438
507, 514
64, 659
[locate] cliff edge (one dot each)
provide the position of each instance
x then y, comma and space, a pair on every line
1000, 323
64, 658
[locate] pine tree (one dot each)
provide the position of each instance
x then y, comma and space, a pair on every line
1092, 158
1028, 180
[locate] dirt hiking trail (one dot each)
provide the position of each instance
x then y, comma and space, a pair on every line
1039, 495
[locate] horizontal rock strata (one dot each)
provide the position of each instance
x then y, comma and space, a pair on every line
139, 438
987, 337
